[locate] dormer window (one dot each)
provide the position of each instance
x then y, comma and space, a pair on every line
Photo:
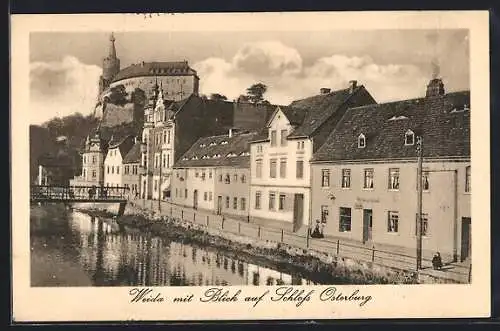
216, 156
212, 144
245, 154
194, 158
409, 138
202, 145
204, 157
361, 141
231, 154
223, 142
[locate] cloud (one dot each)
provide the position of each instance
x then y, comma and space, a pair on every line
281, 68
62, 88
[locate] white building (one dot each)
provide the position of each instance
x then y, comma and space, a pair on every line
113, 163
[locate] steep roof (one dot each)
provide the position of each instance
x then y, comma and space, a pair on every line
180, 68
319, 108
442, 121
218, 151
124, 144
134, 155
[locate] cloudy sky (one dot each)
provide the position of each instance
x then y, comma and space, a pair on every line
392, 64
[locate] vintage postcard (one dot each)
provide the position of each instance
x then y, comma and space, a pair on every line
250, 166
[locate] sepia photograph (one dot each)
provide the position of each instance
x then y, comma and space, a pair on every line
279, 159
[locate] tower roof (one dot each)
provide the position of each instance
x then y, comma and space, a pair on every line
112, 49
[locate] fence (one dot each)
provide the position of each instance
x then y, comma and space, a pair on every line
324, 245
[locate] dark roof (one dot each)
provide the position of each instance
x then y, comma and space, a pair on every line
318, 109
441, 121
134, 155
235, 153
180, 68
124, 144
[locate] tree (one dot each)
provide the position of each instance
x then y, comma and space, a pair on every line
255, 93
218, 97
118, 95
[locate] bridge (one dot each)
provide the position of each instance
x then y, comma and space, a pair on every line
80, 194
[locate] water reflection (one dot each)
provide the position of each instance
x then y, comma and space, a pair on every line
109, 255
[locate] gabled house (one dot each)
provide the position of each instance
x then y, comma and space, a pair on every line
113, 163
280, 172
131, 164
365, 181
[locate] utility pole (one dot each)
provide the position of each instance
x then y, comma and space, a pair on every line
419, 202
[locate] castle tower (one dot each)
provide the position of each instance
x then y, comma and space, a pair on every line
110, 66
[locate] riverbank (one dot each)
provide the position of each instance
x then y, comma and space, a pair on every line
318, 267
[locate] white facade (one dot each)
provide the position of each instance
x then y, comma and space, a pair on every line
113, 168
280, 175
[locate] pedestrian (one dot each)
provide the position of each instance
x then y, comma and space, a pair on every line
437, 262
316, 233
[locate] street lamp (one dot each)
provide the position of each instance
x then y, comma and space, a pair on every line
419, 201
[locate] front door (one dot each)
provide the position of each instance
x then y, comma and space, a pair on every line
298, 211
219, 205
466, 238
195, 199
367, 225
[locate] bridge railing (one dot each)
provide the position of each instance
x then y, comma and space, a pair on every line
48, 192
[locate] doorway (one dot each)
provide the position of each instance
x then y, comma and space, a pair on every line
466, 238
298, 211
195, 199
367, 225
219, 205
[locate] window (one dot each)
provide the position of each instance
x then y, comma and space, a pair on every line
283, 137
168, 137
273, 138
345, 219
227, 202
409, 138
259, 148
163, 160
425, 224
84, 159
272, 168
281, 202
93, 173
361, 141
156, 185
185, 193
112, 169
235, 203
325, 178
467, 179
258, 170
168, 160
393, 178
299, 171
93, 159
209, 196
210, 174
164, 137
108, 169
84, 173
227, 179
393, 221
220, 178
257, 199
346, 178
282, 168
272, 197
243, 178
205, 196
300, 145
368, 182
324, 213
243, 204
235, 177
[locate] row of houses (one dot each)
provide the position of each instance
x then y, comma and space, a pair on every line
337, 159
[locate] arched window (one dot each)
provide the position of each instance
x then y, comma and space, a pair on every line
409, 138
361, 141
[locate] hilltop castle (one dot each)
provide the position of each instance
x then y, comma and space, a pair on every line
178, 79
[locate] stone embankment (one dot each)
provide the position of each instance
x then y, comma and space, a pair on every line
315, 266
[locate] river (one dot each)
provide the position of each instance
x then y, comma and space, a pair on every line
70, 248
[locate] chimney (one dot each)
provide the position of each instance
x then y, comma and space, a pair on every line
435, 88
324, 90
352, 85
